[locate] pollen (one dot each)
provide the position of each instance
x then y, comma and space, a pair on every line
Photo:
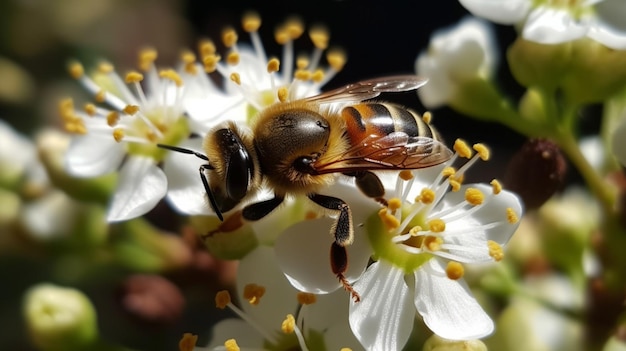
294, 28
112, 118
229, 37
433, 243
105, 67
462, 149
76, 127
222, 298
66, 107
90, 109
283, 94
454, 270
281, 36
455, 185
394, 203
100, 96
302, 74
319, 36
448, 172
146, 58
345, 349
405, 175
427, 117
118, 134
187, 56
171, 75
495, 250
415, 230
336, 59
318, 76
236, 78
426, 196
251, 22
474, 196
131, 109
306, 298
233, 58
436, 225
210, 62
273, 65
187, 342
253, 293
302, 62
389, 220
231, 345
133, 77
496, 186
206, 47
511, 216
483, 151
289, 324
76, 70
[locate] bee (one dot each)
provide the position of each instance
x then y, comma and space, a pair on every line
299, 147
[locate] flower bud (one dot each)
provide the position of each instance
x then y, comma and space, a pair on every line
60, 318
538, 65
437, 343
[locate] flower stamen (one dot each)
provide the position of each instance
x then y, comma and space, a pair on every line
223, 300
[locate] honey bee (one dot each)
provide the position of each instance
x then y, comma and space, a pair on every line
299, 147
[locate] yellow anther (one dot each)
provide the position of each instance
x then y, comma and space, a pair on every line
306, 298
229, 37
231, 345
455, 185
302, 62
483, 151
222, 299
210, 62
171, 75
283, 94
273, 65
427, 117
105, 67
187, 56
76, 126
235, 77
233, 58
76, 70
133, 77
206, 47
112, 118
146, 58
496, 186
336, 59
187, 342
131, 109
415, 230
118, 134
405, 175
511, 216
289, 324
495, 250
302, 74
66, 108
281, 35
318, 76
432, 243
253, 293
462, 149
90, 109
345, 349
474, 196
455, 270
191, 68
319, 36
426, 196
251, 22
448, 172
294, 28
394, 203
436, 225
390, 221
100, 96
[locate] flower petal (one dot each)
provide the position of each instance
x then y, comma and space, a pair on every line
608, 26
447, 305
328, 316
498, 11
141, 184
547, 25
619, 142
185, 190
93, 155
383, 319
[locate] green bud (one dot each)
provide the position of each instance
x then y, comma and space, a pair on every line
538, 65
479, 98
437, 343
60, 318
10, 208
532, 108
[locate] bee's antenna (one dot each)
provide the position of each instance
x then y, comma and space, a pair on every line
204, 167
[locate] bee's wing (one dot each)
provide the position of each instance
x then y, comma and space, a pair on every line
368, 89
395, 151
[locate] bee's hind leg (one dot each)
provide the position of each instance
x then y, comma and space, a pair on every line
370, 185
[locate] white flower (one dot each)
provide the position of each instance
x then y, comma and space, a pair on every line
454, 56
558, 21
421, 248
619, 142
267, 298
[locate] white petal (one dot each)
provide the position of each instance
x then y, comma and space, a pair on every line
606, 34
383, 319
447, 306
303, 253
329, 316
141, 184
546, 25
185, 190
50, 216
619, 142
439, 88
93, 155
233, 328
499, 11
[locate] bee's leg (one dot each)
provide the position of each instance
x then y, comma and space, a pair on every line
252, 212
370, 185
344, 234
